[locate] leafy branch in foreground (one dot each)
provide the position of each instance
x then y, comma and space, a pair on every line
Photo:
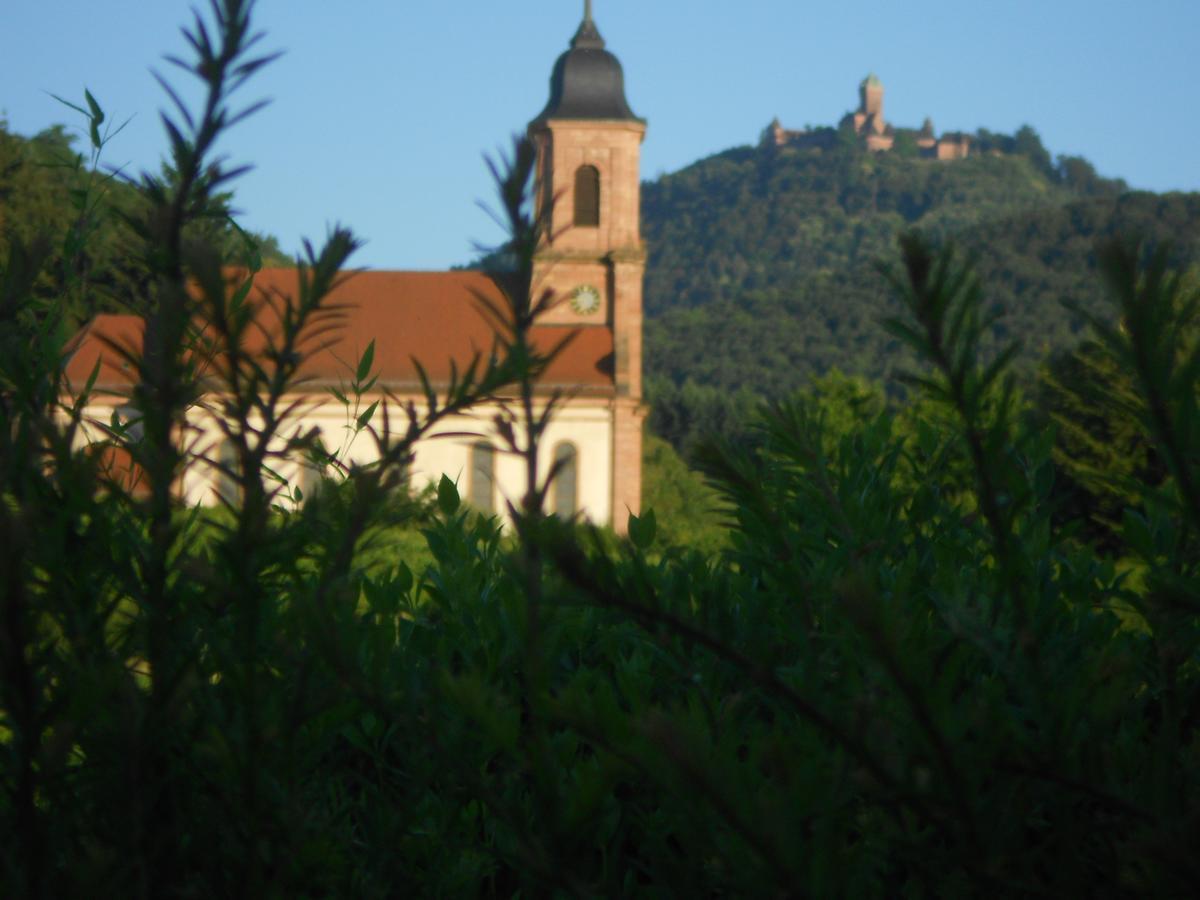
943, 300
1156, 340
955, 695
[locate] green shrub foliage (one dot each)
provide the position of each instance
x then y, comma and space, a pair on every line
900, 672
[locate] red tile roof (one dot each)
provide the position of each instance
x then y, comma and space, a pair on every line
434, 317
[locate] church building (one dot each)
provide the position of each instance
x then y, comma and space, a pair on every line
588, 144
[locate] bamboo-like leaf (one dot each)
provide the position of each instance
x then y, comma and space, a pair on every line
96, 114
365, 362
367, 414
246, 113
70, 105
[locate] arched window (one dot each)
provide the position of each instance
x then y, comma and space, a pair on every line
587, 196
547, 191
228, 487
482, 479
308, 479
566, 480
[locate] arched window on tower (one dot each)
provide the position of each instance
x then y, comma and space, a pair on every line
566, 480
483, 477
547, 191
587, 196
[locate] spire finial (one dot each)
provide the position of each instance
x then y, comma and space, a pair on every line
587, 37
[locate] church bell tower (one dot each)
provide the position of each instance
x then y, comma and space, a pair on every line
588, 144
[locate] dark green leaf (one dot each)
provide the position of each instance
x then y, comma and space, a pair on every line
366, 415
447, 495
365, 362
97, 114
642, 529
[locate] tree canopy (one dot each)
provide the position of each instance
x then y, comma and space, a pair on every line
68, 200
764, 262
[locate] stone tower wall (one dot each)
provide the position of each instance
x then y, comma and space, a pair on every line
609, 257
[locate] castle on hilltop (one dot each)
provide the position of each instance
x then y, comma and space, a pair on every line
874, 132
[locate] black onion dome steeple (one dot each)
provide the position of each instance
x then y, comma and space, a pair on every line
587, 82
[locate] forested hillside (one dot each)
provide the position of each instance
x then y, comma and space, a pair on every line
764, 265
78, 210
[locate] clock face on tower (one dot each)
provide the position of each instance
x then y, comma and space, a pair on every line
585, 299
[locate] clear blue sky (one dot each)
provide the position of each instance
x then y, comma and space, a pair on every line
382, 109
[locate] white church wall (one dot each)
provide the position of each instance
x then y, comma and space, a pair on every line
585, 424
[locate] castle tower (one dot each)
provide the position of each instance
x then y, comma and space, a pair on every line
870, 94
868, 120
589, 187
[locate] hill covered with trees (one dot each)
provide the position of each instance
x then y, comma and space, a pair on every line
764, 266
78, 211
